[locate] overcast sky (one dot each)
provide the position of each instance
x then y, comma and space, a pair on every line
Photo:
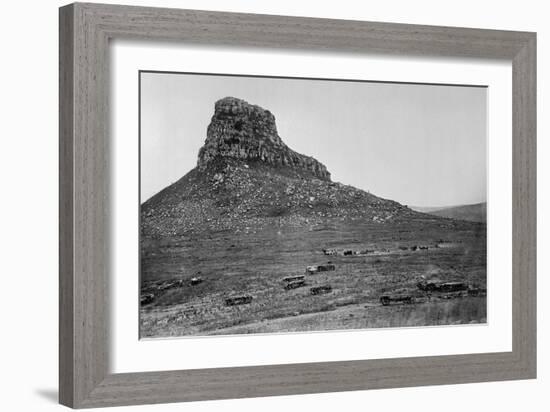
421, 145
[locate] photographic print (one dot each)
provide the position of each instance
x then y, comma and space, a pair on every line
277, 205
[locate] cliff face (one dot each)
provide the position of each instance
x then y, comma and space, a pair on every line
239, 130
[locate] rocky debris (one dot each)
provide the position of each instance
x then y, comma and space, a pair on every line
228, 196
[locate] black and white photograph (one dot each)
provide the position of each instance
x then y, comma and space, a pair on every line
275, 206
278, 205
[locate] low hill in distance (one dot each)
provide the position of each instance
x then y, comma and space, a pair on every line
472, 213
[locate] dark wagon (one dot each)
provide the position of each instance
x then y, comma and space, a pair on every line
319, 290
442, 286
295, 284
386, 300
238, 300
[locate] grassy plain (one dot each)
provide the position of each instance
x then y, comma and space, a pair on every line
254, 262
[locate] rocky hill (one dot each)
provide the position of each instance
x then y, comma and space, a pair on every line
243, 131
247, 178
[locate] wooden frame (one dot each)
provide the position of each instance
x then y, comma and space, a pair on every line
85, 31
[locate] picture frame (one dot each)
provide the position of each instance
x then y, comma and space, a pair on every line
84, 356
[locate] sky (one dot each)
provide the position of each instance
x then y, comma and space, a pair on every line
420, 145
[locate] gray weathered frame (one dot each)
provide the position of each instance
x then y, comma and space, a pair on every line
85, 31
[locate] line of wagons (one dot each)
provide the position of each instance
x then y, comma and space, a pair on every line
446, 290
349, 252
291, 282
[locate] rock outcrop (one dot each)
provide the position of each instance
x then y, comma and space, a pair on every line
239, 130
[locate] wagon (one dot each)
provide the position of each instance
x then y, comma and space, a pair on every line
238, 300
196, 280
319, 268
293, 278
452, 287
295, 284
475, 291
442, 286
385, 300
147, 298
319, 290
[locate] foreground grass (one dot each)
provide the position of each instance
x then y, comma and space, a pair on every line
437, 313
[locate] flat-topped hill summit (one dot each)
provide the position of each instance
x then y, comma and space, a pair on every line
239, 130
247, 177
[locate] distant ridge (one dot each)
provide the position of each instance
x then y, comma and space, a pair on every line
476, 212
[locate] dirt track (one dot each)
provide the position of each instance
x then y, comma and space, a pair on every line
361, 316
